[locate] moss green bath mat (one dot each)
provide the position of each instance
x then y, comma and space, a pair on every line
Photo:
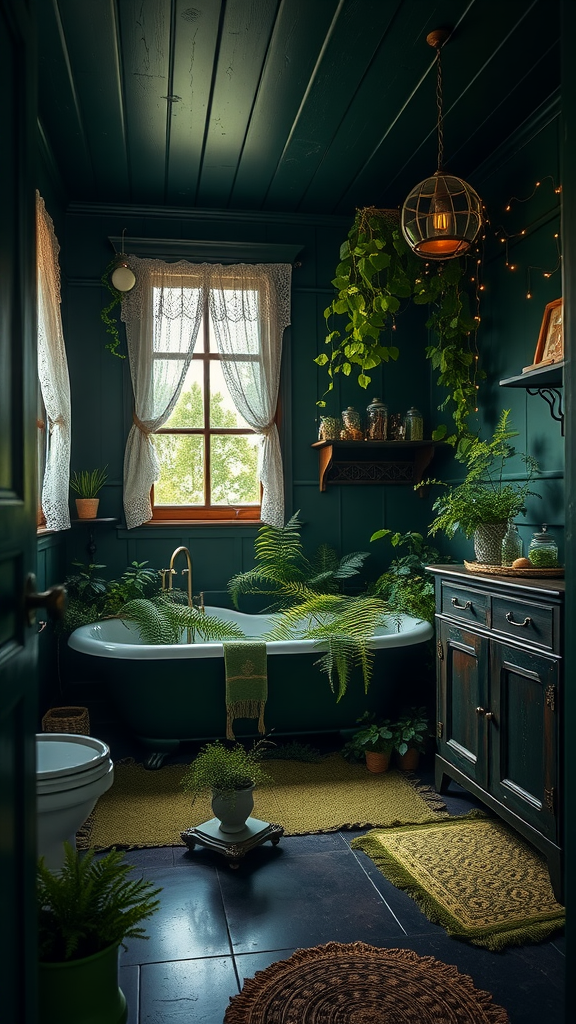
149, 808
473, 875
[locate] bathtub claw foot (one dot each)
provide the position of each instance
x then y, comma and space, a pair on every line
155, 760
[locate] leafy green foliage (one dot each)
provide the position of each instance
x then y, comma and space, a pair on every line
283, 571
410, 730
225, 769
163, 620
89, 905
405, 585
87, 483
376, 735
91, 597
110, 322
483, 497
376, 274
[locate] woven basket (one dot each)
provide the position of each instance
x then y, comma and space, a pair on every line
506, 570
67, 720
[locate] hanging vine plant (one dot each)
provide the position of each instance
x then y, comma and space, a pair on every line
111, 322
377, 275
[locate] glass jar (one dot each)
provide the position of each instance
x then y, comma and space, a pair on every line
351, 430
329, 429
377, 421
512, 547
413, 425
543, 550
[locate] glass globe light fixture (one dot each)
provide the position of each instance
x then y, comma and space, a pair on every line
442, 217
122, 277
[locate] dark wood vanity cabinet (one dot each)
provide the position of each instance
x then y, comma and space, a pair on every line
499, 699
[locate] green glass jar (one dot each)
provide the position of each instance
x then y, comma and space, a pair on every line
543, 550
413, 425
511, 545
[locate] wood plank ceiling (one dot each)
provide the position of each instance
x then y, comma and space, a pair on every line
292, 105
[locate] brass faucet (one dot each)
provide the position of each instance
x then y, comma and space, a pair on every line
172, 572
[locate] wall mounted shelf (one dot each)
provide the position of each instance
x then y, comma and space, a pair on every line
545, 381
374, 462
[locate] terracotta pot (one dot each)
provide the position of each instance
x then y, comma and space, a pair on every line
376, 762
232, 809
87, 508
408, 762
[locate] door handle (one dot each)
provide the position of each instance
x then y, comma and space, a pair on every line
463, 606
509, 619
53, 600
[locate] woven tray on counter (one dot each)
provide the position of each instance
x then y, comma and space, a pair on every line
507, 570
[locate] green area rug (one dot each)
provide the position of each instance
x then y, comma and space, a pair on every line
473, 875
149, 808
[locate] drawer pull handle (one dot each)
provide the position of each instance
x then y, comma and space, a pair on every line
463, 606
488, 715
527, 620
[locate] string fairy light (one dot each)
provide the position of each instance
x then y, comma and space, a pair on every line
505, 237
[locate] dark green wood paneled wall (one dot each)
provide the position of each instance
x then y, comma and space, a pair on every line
101, 396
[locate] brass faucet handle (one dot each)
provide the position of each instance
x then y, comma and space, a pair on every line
184, 571
162, 573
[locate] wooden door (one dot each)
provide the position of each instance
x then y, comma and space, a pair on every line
17, 514
462, 690
524, 736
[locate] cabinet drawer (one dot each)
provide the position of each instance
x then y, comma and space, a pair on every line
532, 623
467, 604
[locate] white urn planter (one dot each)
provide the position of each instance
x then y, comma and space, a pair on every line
233, 808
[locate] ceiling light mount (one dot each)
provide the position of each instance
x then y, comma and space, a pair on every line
442, 217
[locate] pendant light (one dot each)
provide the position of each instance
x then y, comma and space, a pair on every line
442, 216
122, 276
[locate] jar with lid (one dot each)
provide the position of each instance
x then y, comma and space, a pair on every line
329, 429
413, 425
351, 420
543, 550
512, 547
377, 421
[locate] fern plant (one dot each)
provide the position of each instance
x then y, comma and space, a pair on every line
405, 585
283, 571
163, 620
484, 496
89, 905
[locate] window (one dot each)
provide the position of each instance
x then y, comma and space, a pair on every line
207, 451
205, 342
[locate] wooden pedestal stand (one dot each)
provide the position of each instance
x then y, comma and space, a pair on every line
233, 846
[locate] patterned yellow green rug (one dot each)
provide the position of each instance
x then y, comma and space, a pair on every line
473, 875
149, 808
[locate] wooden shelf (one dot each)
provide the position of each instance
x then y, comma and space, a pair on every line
542, 377
374, 462
545, 381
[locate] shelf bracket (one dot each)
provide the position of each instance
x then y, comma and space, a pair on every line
553, 396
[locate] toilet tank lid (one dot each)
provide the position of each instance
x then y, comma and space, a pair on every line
62, 753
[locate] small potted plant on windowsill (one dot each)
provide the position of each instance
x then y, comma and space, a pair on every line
86, 484
374, 742
85, 911
231, 774
409, 741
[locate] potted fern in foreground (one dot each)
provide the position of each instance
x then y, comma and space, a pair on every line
231, 774
84, 912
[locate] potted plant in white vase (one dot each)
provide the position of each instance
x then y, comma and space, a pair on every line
86, 484
85, 911
230, 774
484, 503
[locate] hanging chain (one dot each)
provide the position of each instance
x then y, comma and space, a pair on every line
440, 123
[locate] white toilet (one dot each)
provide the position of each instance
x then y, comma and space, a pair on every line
72, 771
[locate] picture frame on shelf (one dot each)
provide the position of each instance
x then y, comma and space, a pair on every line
550, 346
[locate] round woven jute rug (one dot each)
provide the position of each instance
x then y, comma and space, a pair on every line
359, 984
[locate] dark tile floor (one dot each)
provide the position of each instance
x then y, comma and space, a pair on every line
217, 926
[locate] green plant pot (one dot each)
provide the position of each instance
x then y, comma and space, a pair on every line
82, 991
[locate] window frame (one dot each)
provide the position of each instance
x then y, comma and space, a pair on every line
207, 512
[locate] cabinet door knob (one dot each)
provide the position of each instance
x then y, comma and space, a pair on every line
480, 711
463, 606
510, 619
488, 715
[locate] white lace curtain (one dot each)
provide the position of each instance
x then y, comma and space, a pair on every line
53, 374
249, 307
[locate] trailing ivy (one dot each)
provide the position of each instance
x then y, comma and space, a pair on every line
110, 322
378, 272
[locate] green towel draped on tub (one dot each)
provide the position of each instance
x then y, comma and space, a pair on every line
246, 683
